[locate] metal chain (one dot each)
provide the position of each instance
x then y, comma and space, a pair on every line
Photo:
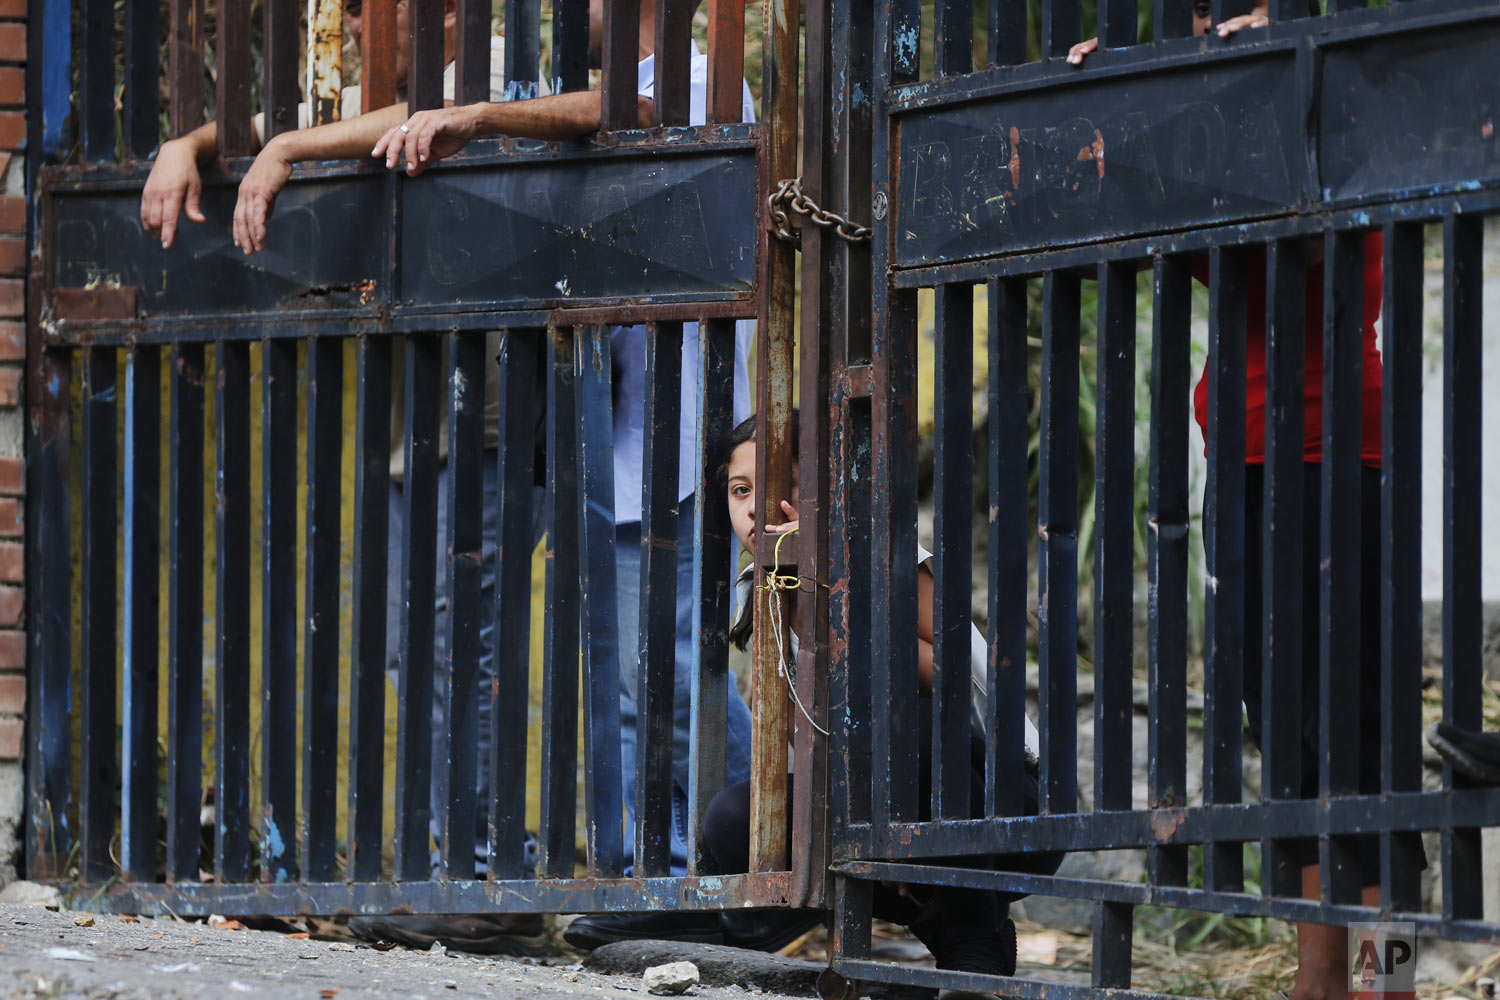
788, 195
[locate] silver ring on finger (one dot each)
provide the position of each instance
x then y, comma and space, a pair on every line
405, 129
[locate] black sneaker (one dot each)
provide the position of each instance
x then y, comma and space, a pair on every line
594, 929
521, 934
767, 930
1475, 755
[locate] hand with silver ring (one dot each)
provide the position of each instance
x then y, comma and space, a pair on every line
405, 129
428, 136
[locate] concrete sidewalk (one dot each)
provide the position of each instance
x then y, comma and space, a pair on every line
46, 953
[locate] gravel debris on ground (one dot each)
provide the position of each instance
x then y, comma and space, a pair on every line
46, 955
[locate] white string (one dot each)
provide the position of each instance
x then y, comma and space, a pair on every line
776, 583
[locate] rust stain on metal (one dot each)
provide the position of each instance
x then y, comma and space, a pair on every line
1015, 157
99, 302
1164, 822
325, 59
1093, 151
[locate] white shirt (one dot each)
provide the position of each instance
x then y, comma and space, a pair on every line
628, 348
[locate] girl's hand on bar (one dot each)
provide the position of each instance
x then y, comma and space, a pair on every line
791, 520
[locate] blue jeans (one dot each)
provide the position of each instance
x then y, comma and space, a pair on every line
737, 749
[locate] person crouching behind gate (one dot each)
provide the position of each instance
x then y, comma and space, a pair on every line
967, 930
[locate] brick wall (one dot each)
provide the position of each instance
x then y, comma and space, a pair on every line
12, 366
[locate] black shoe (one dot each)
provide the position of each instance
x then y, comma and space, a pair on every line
990, 951
480, 933
595, 929
1476, 755
767, 930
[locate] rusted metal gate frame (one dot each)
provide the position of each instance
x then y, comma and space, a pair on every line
872, 404
93, 323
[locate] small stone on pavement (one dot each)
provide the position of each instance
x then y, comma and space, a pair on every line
671, 979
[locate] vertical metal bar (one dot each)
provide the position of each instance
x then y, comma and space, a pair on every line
1172, 19
232, 90
232, 597
1282, 554
1057, 550
712, 582
141, 600
1224, 546
1167, 556
570, 45
1401, 548
598, 622
464, 545
141, 98
100, 784
278, 847
1007, 32
1062, 26
185, 616
1336, 6
953, 37
1010, 515
367, 652
1463, 437
1117, 23
1114, 544
621, 48
849, 933
674, 60
521, 395
471, 48
424, 67
893, 510
902, 38
953, 585
320, 657
726, 60
560, 654
49, 698
1114, 926
849, 695
185, 71
522, 47
658, 617
1340, 636
377, 57
96, 79
414, 692
1287, 10
282, 90
325, 56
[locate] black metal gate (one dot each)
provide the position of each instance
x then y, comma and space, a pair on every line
1182, 155
552, 245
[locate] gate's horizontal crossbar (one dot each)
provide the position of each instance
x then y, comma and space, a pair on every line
519, 896
1146, 894
1299, 121
1226, 823
672, 220
1015, 989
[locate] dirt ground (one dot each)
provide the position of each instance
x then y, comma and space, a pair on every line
47, 954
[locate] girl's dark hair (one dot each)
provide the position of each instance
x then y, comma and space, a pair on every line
745, 431
744, 622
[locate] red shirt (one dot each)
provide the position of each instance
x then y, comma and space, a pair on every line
1255, 361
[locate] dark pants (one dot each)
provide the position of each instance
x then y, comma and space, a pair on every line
1365, 643
726, 837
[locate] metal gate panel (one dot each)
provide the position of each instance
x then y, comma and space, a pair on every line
1043, 182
